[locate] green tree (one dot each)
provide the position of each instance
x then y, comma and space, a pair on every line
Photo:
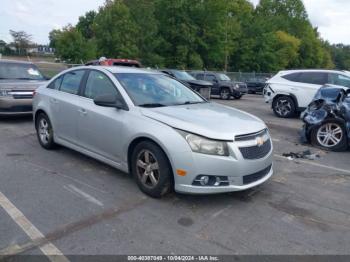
72, 46
53, 35
85, 24
116, 31
148, 40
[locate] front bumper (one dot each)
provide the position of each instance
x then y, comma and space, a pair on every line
11, 106
235, 167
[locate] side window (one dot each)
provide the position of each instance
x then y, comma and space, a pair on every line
316, 78
294, 77
71, 81
200, 77
210, 78
340, 80
99, 84
55, 84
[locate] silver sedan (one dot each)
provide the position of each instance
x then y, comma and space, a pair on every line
152, 126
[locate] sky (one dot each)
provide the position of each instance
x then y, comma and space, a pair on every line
39, 17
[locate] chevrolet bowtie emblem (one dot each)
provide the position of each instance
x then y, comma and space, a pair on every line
259, 141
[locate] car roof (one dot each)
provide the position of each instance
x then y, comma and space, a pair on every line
7, 61
120, 69
313, 70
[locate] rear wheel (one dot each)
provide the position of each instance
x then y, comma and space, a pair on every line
44, 131
284, 107
331, 135
151, 169
225, 93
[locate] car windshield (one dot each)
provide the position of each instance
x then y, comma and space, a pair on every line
20, 71
155, 90
223, 77
182, 75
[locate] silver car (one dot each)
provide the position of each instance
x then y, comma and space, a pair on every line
18, 80
154, 127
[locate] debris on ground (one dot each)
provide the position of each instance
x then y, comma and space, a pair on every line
301, 155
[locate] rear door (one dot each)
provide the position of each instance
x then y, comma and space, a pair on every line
215, 90
100, 128
304, 85
66, 102
311, 82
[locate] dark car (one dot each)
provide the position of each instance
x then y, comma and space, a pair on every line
18, 81
202, 87
222, 85
327, 119
115, 62
255, 86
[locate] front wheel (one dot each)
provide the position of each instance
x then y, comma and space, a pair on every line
44, 131
151, 169
225, 94
284, 107
331, 135
238, 97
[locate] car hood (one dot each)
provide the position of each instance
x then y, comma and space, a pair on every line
21, 84
199, 82
208, 119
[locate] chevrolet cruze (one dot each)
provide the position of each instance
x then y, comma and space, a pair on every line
154, 127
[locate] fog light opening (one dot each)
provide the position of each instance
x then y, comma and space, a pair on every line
204, 180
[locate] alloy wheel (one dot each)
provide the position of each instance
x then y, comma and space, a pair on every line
330, 135
283, 107
44, 131
147, 169
225, 94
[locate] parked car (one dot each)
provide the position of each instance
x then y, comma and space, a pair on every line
153, 126
18, 80
202, 87
222, 85
290, 92
327, 119
255, 86
115, 62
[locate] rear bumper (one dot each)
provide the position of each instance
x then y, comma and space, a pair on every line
11, 106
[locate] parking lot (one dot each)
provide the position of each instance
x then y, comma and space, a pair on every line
62, 201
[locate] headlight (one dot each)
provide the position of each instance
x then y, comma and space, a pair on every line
236, 86
204, 145
4, 92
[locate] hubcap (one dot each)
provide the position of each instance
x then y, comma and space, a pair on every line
147, 169
225, 94
283, 107
329, 135
44, 131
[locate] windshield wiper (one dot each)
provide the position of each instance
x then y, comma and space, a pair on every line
191, 103
152, 105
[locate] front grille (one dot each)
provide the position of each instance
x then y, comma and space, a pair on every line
22, 94
256, 152
256, 176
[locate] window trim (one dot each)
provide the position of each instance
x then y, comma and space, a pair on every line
80, 84
110, 79
87, 78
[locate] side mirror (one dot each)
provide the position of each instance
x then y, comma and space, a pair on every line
110, 101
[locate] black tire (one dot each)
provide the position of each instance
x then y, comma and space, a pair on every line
49, 142
284, 107
164, 175
238, 97
225, 93
342, 145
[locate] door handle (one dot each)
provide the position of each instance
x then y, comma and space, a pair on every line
82, 111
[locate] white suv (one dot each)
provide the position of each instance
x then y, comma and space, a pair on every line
292, 91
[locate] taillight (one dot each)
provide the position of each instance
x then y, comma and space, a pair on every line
34, 93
